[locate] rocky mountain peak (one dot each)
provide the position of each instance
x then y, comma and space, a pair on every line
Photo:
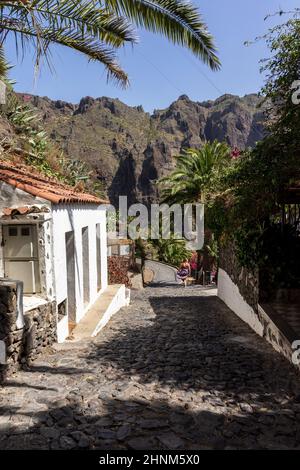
129, 149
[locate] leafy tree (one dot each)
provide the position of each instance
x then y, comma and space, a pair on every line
97, 29
264, 172
246, 207
282, 72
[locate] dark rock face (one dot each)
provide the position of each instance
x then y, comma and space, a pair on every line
124, 181
130, 149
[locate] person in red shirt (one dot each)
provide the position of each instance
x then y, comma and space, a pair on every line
194, 264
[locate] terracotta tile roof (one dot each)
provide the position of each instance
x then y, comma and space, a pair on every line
24, 210
32, 182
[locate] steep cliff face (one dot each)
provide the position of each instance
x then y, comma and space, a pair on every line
130, 149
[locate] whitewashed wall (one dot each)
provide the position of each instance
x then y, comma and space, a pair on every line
231, 296
52, 247
74, 217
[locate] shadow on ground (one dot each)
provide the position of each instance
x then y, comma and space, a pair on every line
117, 424
168, 373
196, 343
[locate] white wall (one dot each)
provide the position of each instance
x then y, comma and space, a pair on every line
73, 218
230, 294
52, 255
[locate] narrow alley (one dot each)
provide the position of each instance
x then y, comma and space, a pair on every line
175, 370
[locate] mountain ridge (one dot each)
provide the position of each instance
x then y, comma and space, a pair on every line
129, 149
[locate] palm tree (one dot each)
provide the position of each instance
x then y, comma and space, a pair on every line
193, 173
192, 179
97, 29
172, 251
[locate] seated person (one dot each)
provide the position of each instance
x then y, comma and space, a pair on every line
184, 270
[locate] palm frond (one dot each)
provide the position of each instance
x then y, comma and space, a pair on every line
86, 17
4, 67
178, 20
95, 27
93, 49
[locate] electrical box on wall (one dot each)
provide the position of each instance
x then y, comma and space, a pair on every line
2, 352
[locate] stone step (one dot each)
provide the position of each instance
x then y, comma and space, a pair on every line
109, 302
136, 281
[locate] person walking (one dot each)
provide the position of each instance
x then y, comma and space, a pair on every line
194, 264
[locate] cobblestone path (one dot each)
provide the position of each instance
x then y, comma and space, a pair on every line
175, 370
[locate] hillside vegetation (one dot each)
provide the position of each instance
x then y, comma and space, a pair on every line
130, 149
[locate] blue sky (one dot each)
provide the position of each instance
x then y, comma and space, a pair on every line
159, 71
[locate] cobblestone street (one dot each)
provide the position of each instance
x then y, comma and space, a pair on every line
175, 370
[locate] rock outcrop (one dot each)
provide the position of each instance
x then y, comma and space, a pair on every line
130, 149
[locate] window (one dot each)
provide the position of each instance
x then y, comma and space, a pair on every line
25, 231
12, 231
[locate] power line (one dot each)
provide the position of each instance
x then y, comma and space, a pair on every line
175, 86
162, 74
202, 73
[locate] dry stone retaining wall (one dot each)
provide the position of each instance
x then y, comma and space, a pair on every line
246, 280
20, 346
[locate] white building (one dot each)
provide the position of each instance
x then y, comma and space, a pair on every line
54, 241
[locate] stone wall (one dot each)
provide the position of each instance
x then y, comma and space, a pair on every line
20, 346
239, 289
246, 281
10, 335
39, 330
118, 267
